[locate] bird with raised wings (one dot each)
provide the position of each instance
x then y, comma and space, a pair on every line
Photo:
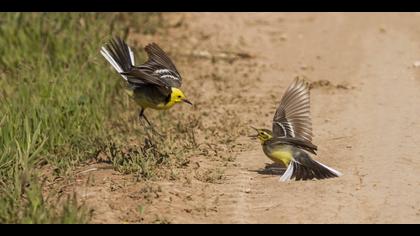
290, 141
154, 84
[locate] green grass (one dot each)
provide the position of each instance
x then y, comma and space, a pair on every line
58, 99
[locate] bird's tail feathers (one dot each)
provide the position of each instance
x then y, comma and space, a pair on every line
119, 55
311, 170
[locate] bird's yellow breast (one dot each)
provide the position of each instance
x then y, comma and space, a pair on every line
164, 106
146, 102
284, 156
158, 106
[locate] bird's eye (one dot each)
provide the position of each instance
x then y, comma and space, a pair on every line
179, 96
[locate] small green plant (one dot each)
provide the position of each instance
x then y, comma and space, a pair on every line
144, 160
161, 220
213, 175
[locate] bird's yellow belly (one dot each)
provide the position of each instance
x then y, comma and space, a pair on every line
146, 102
282, 156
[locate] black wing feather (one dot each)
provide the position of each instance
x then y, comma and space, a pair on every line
160, 65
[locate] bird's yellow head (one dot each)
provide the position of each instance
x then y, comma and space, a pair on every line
262, 134
178, 96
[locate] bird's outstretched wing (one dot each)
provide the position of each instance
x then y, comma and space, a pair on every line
161, 66
157, 71
292, 118
137, 78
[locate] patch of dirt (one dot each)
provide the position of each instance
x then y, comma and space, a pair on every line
328, 84
235, 70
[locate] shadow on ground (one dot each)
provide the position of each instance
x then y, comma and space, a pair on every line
271, 169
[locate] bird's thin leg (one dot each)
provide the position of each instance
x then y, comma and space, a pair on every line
147, 120
141, 115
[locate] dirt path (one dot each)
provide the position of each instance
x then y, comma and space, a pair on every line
368, 131
365, 119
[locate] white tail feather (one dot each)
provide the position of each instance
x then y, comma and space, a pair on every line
330, 169
131, 56
287, 175
111, 60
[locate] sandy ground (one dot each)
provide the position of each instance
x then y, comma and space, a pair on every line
365, 112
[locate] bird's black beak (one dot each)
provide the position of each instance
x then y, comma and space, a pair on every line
186, 101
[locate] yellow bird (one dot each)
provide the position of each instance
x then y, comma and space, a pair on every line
291, 138
154, 84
